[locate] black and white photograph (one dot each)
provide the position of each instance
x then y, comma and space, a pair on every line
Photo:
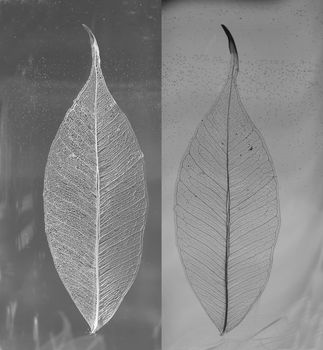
242, 147
80, 175
161, 175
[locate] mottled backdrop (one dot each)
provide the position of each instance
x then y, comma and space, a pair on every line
45, 59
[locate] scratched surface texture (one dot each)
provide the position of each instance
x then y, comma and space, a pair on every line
280, 85
45, 59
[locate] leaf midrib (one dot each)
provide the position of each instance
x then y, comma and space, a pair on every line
97, 221
228, 202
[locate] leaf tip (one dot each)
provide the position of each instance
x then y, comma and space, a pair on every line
91, 35
232, 46
94, 44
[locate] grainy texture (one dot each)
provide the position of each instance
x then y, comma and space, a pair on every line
227, 208
95, 200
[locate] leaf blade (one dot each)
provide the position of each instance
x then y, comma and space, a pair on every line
95, 200
227, 208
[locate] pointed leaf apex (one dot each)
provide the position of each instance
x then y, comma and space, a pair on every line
232, 46
94, 44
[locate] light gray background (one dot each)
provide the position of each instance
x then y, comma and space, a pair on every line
280, 46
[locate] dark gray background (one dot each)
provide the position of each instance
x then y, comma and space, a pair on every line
44, 62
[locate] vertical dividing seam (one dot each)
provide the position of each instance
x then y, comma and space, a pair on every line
227, 224
97, 221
